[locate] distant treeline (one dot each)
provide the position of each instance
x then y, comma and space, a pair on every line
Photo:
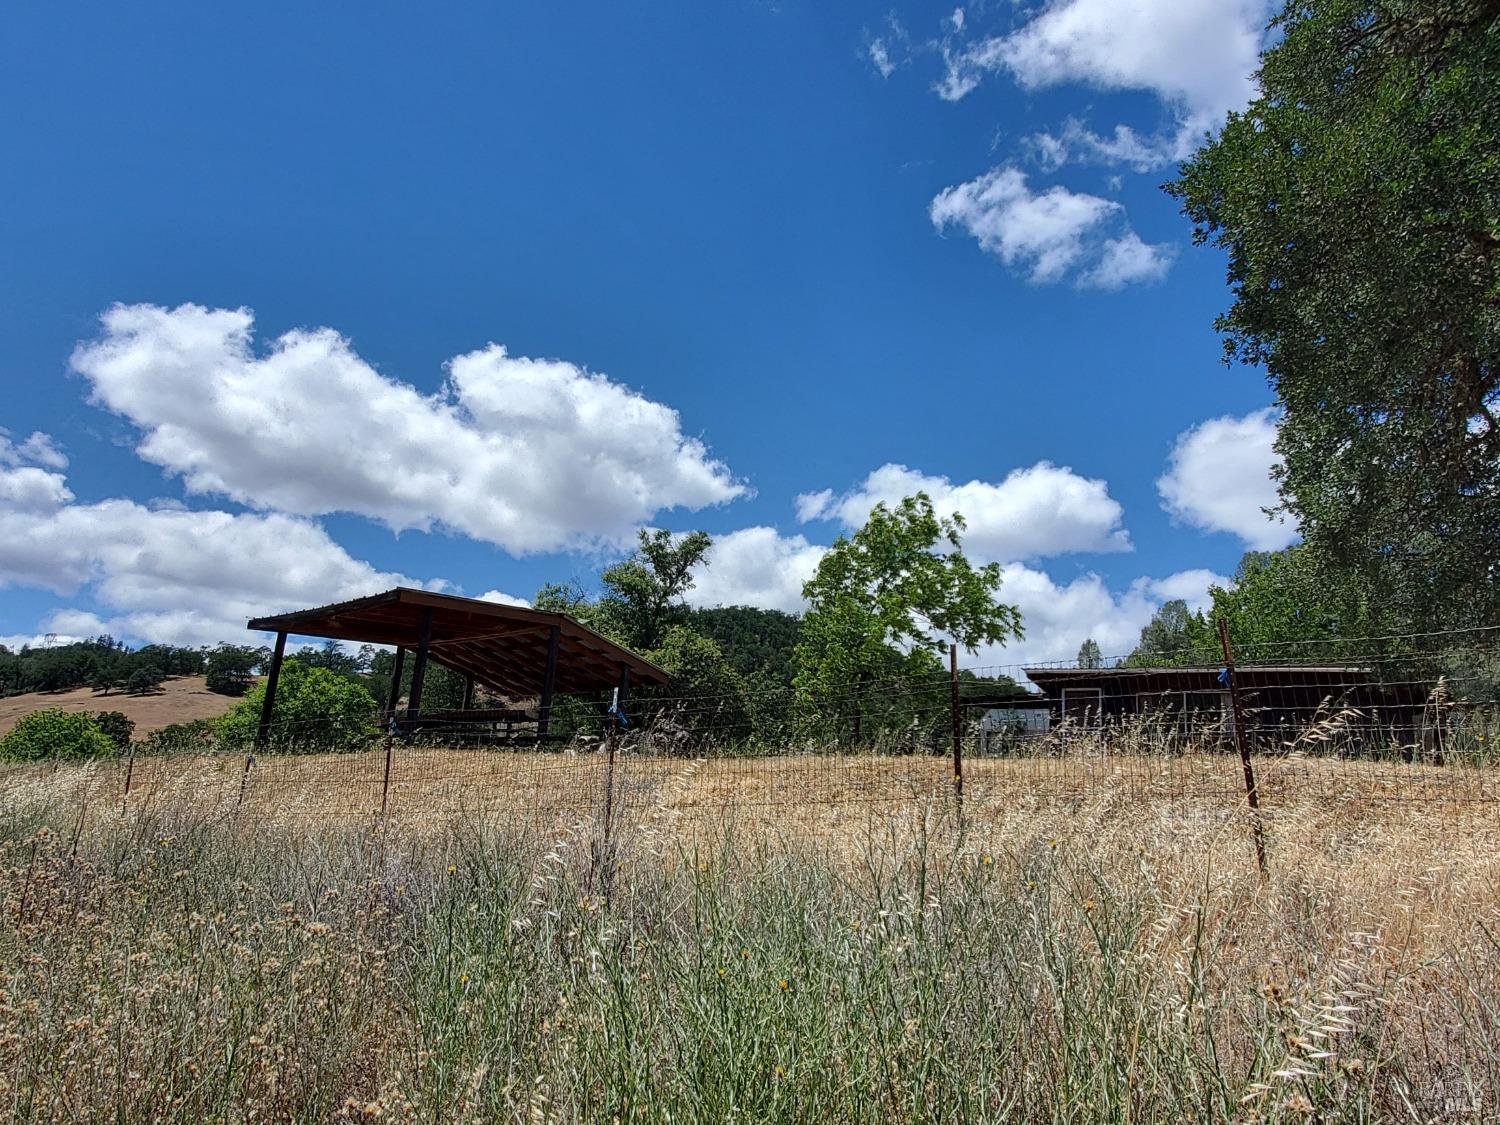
107, 665
757, 643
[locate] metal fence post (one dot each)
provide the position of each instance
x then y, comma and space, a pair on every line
129, 776
958, 724
1242, 743
385, 784
604, 860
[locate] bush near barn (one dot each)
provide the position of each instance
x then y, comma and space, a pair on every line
54, 734
316, 709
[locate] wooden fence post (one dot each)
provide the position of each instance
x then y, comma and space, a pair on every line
1242, 743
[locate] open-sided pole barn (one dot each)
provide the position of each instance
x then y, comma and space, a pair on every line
517, 653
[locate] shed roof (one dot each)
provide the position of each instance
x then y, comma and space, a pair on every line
1258, 677
1292, 672
503, 647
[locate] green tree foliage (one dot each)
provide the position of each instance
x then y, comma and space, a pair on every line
1089, 655
731, 667
173, 660
643, 594
1281, 606
442, 688
1167, 639
707, 698
316, 709
759, 643
880, 609
103, 664
231, 669
117, 725
565, 597
10, 671
333, 656
56, 734
1358, 199
198, 736
144, 679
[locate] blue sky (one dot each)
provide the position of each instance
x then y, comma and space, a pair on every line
827, 251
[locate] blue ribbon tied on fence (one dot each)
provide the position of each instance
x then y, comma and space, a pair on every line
617, 713
1224, 676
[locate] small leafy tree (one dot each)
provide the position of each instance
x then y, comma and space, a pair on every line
882, 607
144, 679
1167, 639
56, 734
1089, 655
316, 709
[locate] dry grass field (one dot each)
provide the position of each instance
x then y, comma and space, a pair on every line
181, 700
799, 938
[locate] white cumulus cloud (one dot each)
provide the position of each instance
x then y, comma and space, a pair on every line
1126, 260
1060, 616
1199, 58
500, 597
530, 454
1034, 512
1189, 585
1049, 234
27, 480
1219, 479
177, 576
756, 566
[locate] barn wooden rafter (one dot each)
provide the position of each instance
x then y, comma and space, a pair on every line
513, 651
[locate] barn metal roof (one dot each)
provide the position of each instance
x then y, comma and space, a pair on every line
503, 647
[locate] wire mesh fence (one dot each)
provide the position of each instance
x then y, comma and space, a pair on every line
1390, 719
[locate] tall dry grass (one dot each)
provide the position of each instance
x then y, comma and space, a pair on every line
759, 946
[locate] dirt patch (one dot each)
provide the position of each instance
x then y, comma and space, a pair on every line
181, 700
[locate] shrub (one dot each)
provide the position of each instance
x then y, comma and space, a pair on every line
45, 735
315, 710
196, 737
115, 724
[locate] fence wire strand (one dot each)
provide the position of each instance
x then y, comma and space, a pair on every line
1410, 718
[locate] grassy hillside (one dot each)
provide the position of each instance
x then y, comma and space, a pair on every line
181, 699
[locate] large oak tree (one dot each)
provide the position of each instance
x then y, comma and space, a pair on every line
1358, 199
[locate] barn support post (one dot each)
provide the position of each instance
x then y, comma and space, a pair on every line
268, 704
549, 684
419, 668
549, 675
468, 704
396, 673
1242, 743
267, 709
